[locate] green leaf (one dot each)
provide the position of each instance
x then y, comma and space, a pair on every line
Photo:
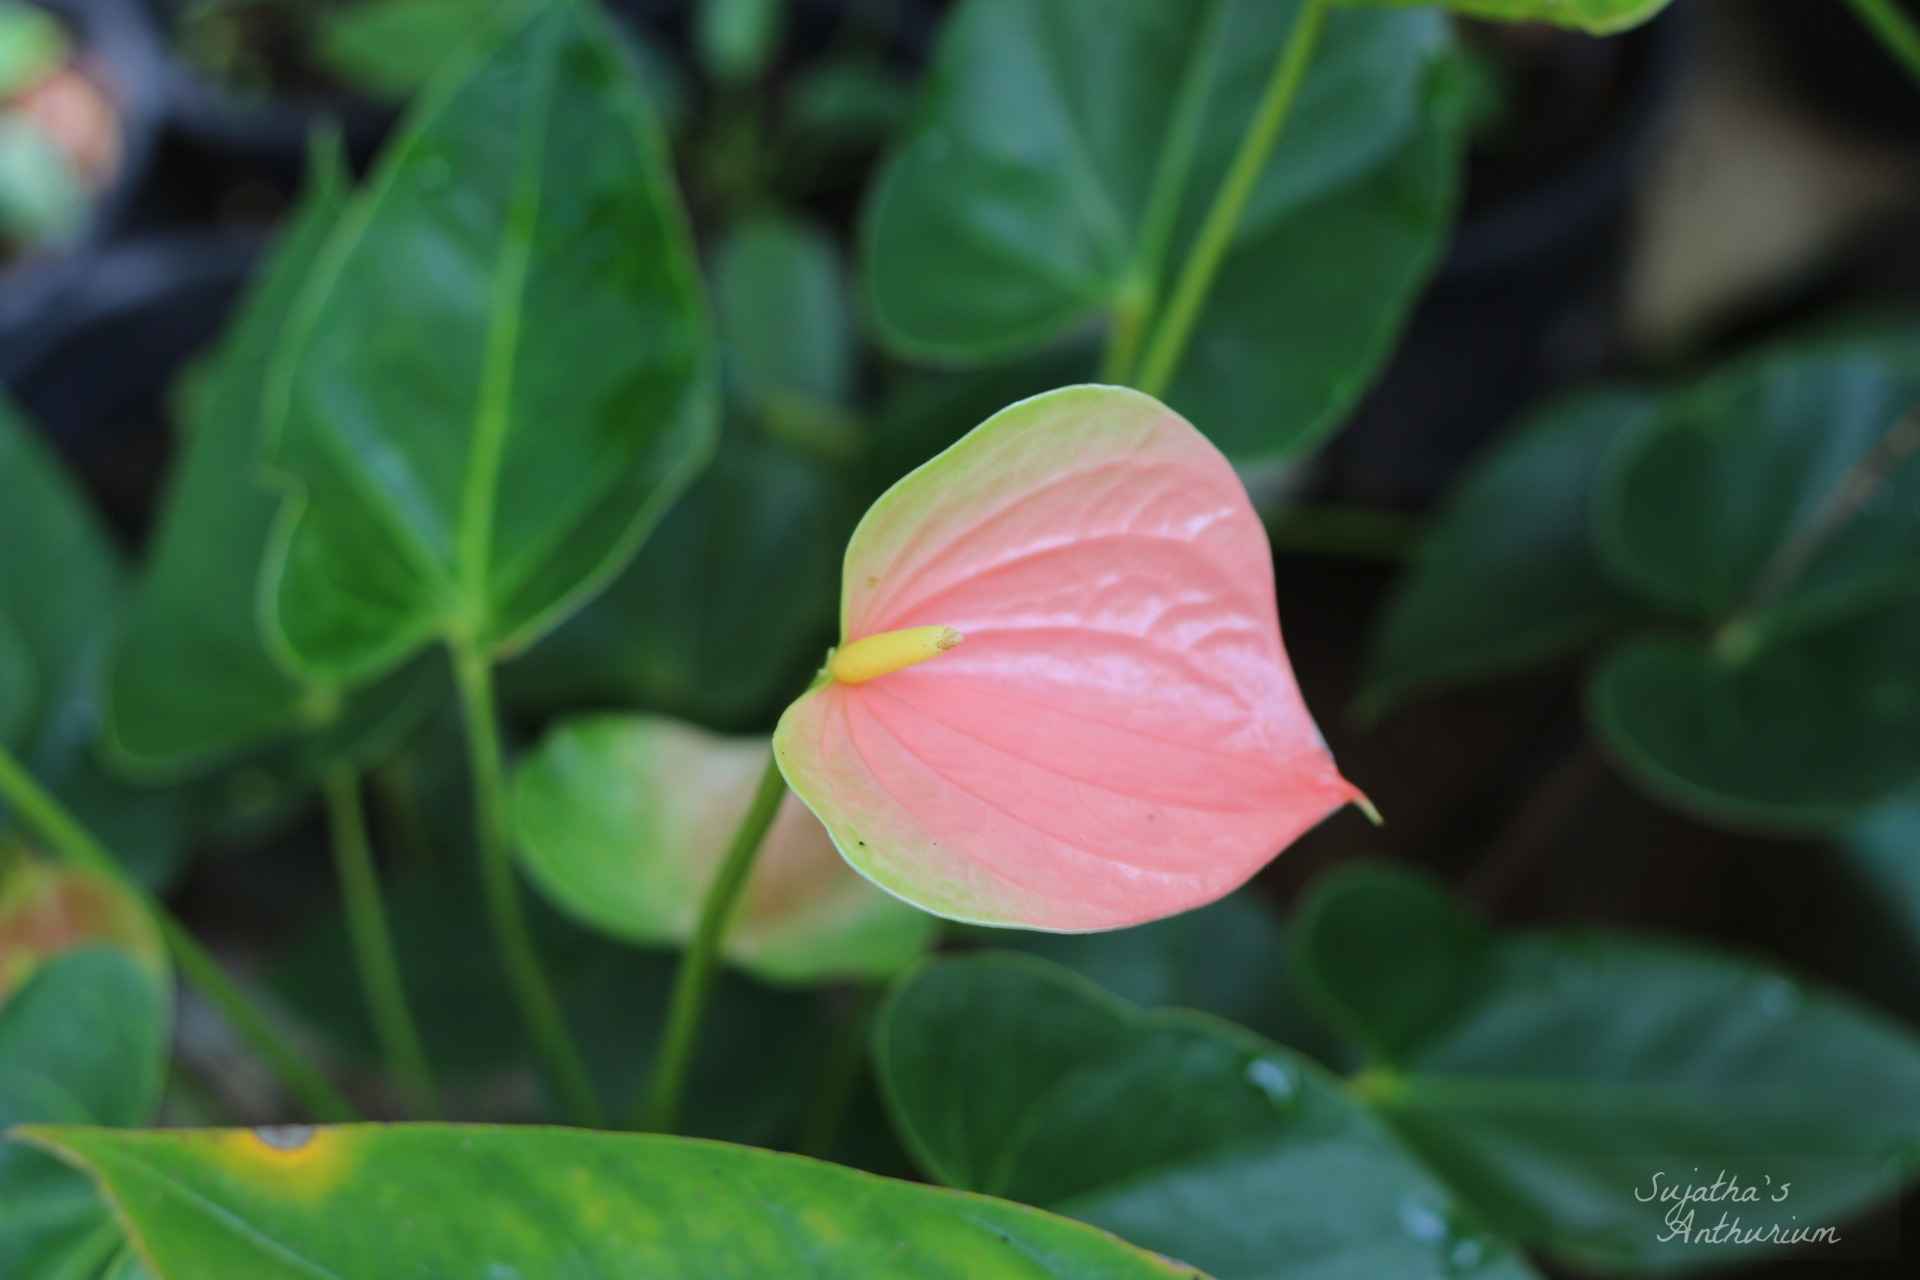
730, 609
59, 606
192, 681
539, 1202
1051, 184
1507, 576
84, 1042
1601, 17
391, 47
781, 296
624, 821
1229, 959
1804, 732
1184, 1134
1789, 482
1557, 1080
499, 376
737, 38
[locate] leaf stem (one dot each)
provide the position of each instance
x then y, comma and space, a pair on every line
1236, 189
1897, 32
694, 982
473, 673
64, 835
1133, 310
367, 924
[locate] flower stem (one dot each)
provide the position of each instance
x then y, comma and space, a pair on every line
694, 983
380, 980
1896, 31
64, 835
538, 1007
1216, 234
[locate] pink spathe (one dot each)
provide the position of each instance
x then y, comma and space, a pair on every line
1120, 737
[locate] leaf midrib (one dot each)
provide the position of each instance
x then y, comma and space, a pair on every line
506, 303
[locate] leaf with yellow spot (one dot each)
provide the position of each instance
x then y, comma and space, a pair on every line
532, 1202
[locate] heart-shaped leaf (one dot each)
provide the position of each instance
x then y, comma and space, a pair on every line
1789, 482
1177, 1131
1229, 959
491, 387
238, 1205
47, 909
1780, 500
59, 605
83, 1042
192, 680
1765, 519
1119, 736
1559, 1081
625, 820
1507, 576
1601, 17
1064, 156
751, 554
1808, 731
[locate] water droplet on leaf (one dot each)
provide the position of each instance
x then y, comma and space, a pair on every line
1275, 1079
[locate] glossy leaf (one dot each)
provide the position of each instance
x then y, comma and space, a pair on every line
1789, 483
1601, 17
1229, 959
83, 1042
1049, 185
1549, 1077
1119, 737
1507, 575
46, 910
726, 613
1182, 1133
624, 821
192, 681
490, 390
58, 609
237, 1205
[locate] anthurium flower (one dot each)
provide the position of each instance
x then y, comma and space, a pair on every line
1061, 700
623, 822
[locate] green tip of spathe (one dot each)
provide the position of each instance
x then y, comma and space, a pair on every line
1365, 806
